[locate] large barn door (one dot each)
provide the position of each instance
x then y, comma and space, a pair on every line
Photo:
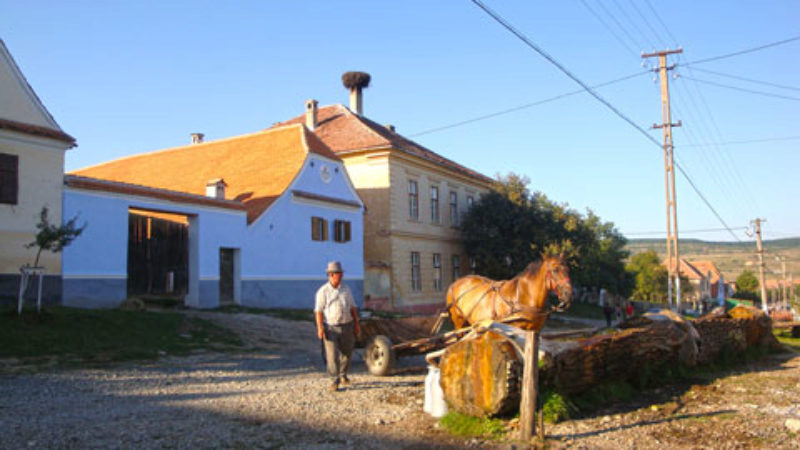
158, 254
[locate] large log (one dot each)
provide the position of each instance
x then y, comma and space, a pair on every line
481, 376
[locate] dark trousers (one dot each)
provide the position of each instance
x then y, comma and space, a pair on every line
339, 343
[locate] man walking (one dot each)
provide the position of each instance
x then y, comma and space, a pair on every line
337, 323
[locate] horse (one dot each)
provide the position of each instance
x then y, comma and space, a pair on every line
520, 300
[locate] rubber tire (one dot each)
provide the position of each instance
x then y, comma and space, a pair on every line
379, 355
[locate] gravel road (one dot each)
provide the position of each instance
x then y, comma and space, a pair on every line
274, 395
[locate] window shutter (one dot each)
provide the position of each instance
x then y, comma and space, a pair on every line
9, 178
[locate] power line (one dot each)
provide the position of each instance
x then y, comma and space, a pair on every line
607, 27
655, 13
521, 107
747, 141
767, 83
588, 89
742, 52
563, 69
704, 230
736, 88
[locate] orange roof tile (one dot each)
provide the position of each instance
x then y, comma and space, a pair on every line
95, 184
344, 131
257, 167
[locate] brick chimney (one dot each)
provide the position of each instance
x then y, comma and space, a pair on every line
355, 82
216, 188
311, 114
197, 138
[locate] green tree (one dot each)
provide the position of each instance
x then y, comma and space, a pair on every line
510, 227
747, 286
650, 277
51, 237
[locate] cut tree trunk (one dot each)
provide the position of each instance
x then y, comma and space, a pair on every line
481, 376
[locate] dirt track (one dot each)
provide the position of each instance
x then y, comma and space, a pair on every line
274, 396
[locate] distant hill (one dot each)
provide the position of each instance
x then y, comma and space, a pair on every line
731, 257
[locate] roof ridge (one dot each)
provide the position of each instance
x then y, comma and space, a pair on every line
184, 147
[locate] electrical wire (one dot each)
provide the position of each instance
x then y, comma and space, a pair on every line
704, 230
742, 52
767, 83
607, 27
746, 141
527, 105
588, 89
736, 88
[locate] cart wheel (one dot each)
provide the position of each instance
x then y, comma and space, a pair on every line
379, 355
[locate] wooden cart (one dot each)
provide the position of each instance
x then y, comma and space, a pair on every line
386, 339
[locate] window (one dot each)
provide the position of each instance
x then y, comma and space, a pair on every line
453, 208
416, 281
9, 178
434, 204
456, 267
319, 229
437, 272
470, 201
341, 231
413, 200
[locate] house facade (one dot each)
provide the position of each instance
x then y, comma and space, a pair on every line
32, 148
263, 213
706, 279
414, 199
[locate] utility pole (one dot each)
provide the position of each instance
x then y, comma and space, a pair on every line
673, 257
784, 285
757, 223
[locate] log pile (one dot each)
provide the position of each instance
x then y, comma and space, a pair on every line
742, 327
480, 374
620, 356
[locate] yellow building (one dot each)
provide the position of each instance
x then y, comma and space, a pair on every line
32, 148
414, 200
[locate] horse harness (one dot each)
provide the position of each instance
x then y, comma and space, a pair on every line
515, 307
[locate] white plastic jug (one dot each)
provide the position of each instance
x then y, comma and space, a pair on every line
434, 397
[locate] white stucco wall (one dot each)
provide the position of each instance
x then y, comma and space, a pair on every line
41, 172
100, 253
279, 242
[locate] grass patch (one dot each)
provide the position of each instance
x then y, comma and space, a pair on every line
784, 336
555, 407
80, 335
467, 426
300, 315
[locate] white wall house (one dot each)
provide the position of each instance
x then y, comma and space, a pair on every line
268, 209
32, 148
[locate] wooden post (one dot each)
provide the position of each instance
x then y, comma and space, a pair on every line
530, 384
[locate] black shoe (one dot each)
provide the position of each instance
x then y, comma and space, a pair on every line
345, 381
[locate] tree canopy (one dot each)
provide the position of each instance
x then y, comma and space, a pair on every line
747, 286
509, 227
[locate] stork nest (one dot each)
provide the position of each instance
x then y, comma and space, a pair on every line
355, 80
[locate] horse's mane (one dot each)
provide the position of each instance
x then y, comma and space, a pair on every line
532, 268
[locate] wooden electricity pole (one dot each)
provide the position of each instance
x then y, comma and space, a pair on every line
673, 257
760, 249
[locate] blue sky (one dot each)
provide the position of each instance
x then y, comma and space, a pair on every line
131, 77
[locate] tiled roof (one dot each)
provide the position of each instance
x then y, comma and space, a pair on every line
696, 270
94, 184
708, 266
257, 167
36, 130
344, 131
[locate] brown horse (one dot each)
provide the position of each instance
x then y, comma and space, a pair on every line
521, 300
